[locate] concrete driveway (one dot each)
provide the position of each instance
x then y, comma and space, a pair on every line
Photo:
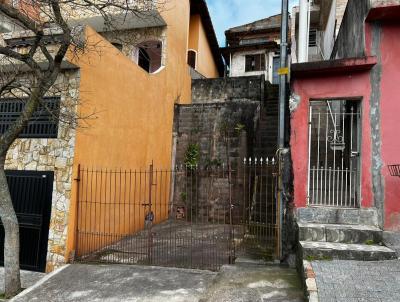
111, 283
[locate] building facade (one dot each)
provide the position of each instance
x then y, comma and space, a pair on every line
324, 19
128, 85
344, 114
253, 49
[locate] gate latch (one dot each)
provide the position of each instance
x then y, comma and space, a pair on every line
355, 154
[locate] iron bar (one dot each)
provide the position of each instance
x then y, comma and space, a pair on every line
333, 178
202, 230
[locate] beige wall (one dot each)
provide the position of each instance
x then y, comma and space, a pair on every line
134, 109
198, 41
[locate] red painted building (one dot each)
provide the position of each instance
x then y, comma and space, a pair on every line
345, 116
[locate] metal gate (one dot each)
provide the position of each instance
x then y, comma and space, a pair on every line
334, 153
189, 217
31, 194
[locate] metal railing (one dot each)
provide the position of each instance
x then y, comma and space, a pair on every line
394, 170
333, 187
334, 159
190, 216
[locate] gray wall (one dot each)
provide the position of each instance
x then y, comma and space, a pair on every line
351, 39
204, 125
227, 89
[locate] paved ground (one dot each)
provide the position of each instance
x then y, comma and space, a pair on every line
357, 281
173, 243
109, 283
255, 283
392, 240
27, 278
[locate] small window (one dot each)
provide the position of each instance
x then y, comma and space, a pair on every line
192, 56
255, 62
312, 38
149, 55
43, 123
144, 59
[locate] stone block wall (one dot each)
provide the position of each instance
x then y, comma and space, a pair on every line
222, 132
227, 89
53, 154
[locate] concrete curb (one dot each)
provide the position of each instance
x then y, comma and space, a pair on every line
310, 282
39, 283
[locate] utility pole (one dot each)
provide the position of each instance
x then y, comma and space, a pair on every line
283, 72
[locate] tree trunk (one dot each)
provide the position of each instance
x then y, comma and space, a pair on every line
8, 217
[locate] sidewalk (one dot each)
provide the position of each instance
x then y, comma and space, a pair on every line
27, 279
357, 281
112, 283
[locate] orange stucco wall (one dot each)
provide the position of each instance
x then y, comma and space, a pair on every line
134, 109
198, 41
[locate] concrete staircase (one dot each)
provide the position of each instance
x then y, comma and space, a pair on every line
266, 138
344, 234
267, 132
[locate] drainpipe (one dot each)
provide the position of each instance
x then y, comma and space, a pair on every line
303, 31
282, 102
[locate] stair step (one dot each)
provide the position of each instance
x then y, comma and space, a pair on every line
339, 233
314, 250
332, 215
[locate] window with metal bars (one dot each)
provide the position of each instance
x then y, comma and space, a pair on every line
43, 123
255, 62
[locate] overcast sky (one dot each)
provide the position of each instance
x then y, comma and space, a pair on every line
229, 13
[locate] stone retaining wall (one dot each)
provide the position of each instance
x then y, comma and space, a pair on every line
222, 132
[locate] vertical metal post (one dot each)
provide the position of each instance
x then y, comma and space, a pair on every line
283, 76
282, 105
77, 179
150, 234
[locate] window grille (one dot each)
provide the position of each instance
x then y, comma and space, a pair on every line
43, 123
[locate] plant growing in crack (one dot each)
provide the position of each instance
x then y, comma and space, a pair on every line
192, 156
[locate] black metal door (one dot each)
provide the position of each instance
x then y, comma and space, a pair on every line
31, 193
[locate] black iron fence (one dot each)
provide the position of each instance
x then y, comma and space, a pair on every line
191, 217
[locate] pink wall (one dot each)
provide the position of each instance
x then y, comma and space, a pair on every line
390, 120
355, 85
